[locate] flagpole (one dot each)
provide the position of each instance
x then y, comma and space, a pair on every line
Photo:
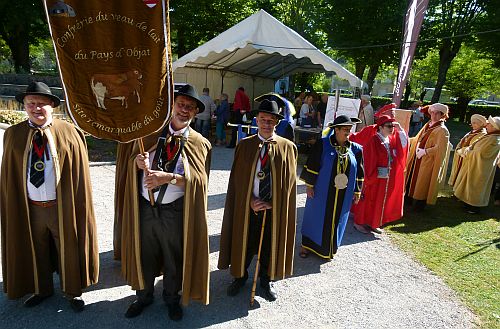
150, 192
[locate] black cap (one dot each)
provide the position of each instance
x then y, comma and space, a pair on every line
38, 88
189, 91
272, 97
267, 106
343, 120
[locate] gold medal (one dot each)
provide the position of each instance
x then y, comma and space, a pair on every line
261, 175
39, 165
341, 181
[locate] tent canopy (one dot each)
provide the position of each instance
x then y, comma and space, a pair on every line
261, 46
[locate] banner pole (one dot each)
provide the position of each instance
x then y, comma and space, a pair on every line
151, 195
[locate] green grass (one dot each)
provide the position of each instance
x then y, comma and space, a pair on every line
463, 249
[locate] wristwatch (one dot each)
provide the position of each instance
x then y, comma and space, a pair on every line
173, 181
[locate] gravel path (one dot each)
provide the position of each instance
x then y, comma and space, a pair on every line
369, 284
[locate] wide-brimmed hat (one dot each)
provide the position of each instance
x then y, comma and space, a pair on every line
383, 119
344, 120
267, 106
41, 89
272, 97
189, 91
481, 119
494, 121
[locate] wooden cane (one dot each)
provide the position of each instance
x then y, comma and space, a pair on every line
254, 285
150, 193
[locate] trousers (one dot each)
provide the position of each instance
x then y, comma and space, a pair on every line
161, 249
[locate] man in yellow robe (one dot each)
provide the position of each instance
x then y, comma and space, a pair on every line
262, 183
427, 161
474, 181
477, 122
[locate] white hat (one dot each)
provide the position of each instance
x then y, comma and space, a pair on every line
366, 97
494, 121
479, 119
439, 107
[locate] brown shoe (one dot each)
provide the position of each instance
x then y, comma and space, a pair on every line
361, 228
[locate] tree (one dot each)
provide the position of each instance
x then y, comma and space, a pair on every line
194, 22
469, 76
22, 23
360, 29
489, 42
452, 21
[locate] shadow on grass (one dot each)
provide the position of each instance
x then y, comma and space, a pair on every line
448, 212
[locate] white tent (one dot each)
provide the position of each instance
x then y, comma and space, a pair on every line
254, 53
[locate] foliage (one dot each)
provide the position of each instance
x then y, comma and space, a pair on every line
451, 21
12, 117
194, 22
43, 57
353, 27
489, 43
22, 23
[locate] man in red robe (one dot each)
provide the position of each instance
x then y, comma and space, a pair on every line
385, 146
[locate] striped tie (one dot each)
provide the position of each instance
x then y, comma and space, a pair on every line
37, 169
265, 184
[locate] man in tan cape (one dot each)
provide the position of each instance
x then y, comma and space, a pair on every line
262, 183
46, 205
474, 181
427, 161
170, 237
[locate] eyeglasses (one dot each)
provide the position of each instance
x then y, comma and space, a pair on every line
33, 105
186, 106
389, 126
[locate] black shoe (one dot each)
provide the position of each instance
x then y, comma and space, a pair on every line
34, 300
174, 311
269, 292
236, 285
135, 309
77, 304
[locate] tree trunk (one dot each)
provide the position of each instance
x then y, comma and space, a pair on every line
462, 104
446, 56
360, 69
372, 73
181, 44
20, 50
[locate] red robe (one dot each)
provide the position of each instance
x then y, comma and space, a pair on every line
382, 198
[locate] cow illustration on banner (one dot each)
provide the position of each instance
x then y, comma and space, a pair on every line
115, 64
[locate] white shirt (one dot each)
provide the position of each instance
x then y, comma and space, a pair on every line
256, 180
46, 191
173, 192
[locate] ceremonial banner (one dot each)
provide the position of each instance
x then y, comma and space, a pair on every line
115, 64
413, 23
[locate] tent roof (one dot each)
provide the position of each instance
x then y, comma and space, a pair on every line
262, 46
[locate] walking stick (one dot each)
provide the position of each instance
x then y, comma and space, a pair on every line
254, 285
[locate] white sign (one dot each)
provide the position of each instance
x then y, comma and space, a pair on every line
347, 106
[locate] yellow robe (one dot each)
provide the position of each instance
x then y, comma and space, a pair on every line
195, 277
467, 140
473, 184
79, 262
432, 169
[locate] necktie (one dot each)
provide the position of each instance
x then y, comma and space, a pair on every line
37, 169
265, 177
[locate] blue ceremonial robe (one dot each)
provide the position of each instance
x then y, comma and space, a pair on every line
326, 214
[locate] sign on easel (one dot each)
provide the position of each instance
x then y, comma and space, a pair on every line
346, 106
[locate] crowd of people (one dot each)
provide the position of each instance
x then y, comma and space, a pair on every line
48, 223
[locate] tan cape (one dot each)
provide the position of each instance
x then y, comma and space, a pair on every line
467, 140
195, 277
473, 184
79, 262
233, 242
433, 166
